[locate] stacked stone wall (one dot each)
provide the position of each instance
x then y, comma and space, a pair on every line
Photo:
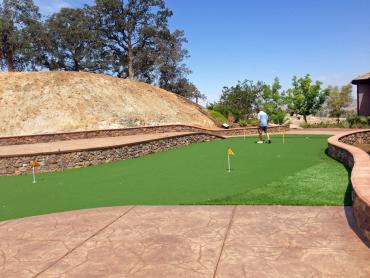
342, 147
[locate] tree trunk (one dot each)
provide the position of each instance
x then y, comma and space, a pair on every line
9, 61
130, 63
76, 65
305, 118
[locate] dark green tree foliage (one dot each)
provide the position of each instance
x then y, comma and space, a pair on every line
170, 55
129, 30
338, 99
305, 97
183, 87
242, 98
71, 43
19, 22
129, 39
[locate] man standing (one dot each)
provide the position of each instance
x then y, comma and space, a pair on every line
262, 125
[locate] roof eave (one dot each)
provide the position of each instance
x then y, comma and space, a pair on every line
360, 81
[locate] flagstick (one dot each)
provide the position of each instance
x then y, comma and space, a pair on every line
33, 173
228, 163
244, 134
283, 138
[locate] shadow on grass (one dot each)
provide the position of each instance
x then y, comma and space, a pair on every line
347, 205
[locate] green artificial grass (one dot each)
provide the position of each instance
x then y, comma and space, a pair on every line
296, 173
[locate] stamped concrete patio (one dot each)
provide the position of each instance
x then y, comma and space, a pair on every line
185, 241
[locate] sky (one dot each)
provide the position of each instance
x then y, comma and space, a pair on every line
235, 40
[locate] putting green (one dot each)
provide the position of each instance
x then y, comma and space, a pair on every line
297, 172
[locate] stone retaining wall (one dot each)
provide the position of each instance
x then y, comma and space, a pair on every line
57, 161
247, 130
340, 147
359, 137
44, 138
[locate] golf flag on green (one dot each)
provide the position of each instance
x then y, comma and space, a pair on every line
34, 163
229, 153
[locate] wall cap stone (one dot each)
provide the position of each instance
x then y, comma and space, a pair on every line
133, 128
110, 146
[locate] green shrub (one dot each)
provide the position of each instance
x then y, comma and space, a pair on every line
278, 117
252, 122
218, 117
324, 125
363, 120
355, 121
242, 123
351, 119
221, 109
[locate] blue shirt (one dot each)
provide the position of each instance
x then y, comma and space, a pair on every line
262, 117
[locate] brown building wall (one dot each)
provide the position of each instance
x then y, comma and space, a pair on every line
363, 99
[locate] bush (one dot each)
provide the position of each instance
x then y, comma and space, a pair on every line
278, 117
252, 122
352, 121
210, 106
324, 125
355, 121
242, 123
218, 117
221, 109
363, 120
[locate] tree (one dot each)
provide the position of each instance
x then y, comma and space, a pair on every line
71, 43
305, 98
338, 99
187, 89
19, 20
170, 56
271, 97
272, 101
242, 98
129, 29
197, 95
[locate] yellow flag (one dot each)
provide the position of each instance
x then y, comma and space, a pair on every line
230, 151
35, 163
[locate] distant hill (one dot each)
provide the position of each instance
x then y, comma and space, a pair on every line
46, 102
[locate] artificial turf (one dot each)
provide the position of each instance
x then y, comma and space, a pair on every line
295, 173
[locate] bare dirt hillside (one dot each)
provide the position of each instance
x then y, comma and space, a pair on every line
45, 102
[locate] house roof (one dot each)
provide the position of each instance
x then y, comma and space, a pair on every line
362, 79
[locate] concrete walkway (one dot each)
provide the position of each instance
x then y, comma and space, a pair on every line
185, 241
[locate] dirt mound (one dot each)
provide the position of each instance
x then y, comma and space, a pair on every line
46, 102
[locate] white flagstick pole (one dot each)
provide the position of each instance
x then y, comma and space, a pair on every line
228, 163
33, 173
283, 137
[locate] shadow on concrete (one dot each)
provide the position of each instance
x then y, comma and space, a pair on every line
347, 204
